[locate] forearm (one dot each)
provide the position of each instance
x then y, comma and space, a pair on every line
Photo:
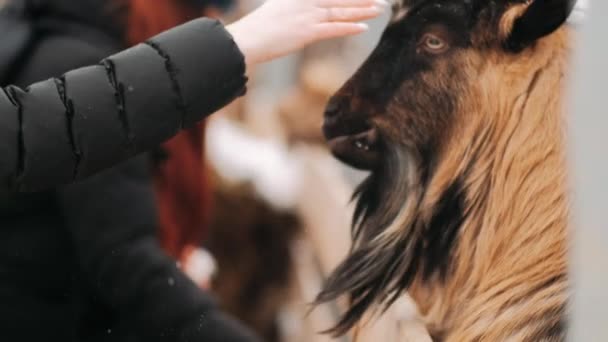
67, 128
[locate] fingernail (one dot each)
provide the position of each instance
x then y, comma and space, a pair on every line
363, 26
382, 3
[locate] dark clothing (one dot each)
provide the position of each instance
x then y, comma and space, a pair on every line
67, 128
82, 262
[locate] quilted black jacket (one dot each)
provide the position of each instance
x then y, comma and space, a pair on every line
67, 128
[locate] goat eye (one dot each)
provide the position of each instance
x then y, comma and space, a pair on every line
434, 44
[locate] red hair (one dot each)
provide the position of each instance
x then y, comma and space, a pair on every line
181, 186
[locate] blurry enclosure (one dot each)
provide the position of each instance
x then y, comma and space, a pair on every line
282, 209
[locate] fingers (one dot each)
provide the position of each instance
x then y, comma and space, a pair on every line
351, 10
335, 30
352, 14
351, 3
343, 17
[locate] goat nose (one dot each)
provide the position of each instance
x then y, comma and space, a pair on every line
333, 108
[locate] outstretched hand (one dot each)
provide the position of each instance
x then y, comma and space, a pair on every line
280, 27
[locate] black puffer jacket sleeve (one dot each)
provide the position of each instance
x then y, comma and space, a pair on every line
68, 128
111, 218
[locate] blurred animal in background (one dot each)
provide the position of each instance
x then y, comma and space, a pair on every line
458, 115
251, 242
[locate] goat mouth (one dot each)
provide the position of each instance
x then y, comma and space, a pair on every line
361, 150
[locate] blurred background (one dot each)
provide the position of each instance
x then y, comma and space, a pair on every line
268, 158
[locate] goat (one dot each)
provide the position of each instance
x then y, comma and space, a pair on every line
458, 115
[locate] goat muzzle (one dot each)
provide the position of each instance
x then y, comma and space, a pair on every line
359, 150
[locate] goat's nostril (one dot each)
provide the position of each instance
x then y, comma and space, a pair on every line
332, 109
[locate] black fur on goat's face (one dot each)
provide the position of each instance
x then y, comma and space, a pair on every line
394, 117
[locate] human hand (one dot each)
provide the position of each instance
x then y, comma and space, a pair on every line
280, 27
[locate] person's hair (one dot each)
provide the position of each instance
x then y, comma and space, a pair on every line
147, 18
180, 179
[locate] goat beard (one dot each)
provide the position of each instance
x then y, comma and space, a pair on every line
387, 240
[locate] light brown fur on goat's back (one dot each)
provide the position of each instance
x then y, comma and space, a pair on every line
513, 241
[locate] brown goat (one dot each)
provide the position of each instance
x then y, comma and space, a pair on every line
458, 114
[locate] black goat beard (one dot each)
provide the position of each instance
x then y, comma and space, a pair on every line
392, 244
377, 269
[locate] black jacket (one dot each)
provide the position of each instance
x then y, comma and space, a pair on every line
82, 263
67, 128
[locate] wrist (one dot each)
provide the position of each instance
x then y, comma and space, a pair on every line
244, 42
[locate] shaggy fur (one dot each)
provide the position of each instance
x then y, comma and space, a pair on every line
467, 210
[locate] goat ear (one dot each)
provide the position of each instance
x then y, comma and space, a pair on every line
541, 18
